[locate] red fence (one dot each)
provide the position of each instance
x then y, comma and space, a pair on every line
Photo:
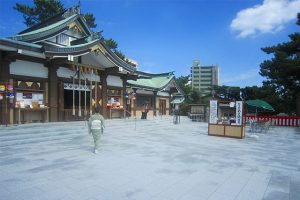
277, 120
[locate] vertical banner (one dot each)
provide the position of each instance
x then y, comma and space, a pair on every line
213, 112
239, 112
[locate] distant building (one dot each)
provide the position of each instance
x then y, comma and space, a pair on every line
203, 78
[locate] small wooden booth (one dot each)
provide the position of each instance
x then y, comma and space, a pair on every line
226, 119
198, 112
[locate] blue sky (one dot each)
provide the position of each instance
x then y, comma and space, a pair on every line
167, 35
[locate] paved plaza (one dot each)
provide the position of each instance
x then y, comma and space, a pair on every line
152, 159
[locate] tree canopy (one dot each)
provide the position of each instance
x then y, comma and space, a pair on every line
44, 9
283, 69
229, 93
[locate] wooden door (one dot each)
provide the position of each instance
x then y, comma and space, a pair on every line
162, 107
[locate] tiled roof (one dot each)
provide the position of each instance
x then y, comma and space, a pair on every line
154, 82
20, 44
46, 31
177, 99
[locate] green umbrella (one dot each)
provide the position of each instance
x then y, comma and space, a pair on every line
259, 105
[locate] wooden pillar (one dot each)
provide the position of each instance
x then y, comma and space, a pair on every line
61, 101
124, 81
103, 79
170, 105
134, 102
154, 106
4, 79
53, 92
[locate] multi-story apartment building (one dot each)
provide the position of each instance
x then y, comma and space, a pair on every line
203, 78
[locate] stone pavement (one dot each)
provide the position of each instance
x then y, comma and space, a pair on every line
157, 161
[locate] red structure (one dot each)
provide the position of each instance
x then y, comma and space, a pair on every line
277, 120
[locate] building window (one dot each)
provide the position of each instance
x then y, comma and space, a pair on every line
205, 84
206, 72
206, 67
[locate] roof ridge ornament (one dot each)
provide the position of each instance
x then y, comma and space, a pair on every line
72, 11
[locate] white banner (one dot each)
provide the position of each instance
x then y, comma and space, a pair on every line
239, 112
70, 86
213, 112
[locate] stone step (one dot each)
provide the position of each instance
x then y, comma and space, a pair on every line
24, 134
46, 138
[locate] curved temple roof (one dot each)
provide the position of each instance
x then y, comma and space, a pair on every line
177, 99
155, 82
48, 31
57, 25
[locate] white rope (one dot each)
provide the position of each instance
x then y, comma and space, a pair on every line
85, 112
73, 110
79, 92
96, 88
91, 94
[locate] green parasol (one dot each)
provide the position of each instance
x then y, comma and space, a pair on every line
259, 105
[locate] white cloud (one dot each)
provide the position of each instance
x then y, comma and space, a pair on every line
269, 17
248, 75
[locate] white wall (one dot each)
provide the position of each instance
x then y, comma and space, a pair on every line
64, 72
114, 81
26, 68
139, 91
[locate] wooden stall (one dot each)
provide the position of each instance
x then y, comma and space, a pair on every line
226, 119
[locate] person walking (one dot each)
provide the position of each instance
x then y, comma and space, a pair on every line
96, 124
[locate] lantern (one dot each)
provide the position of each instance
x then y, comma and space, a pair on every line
10, 95
10, 87
2, 88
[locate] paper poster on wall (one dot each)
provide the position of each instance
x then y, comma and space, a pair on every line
239, 113
213, 117
35, 97
40, 97
19, 96
27, 95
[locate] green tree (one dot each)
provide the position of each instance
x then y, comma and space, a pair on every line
112, 44
229, 93
194, 96
90, 20
120, 54
44, 9
283, 70
268, 94
183, 83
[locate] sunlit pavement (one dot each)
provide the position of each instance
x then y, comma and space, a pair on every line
150, 159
